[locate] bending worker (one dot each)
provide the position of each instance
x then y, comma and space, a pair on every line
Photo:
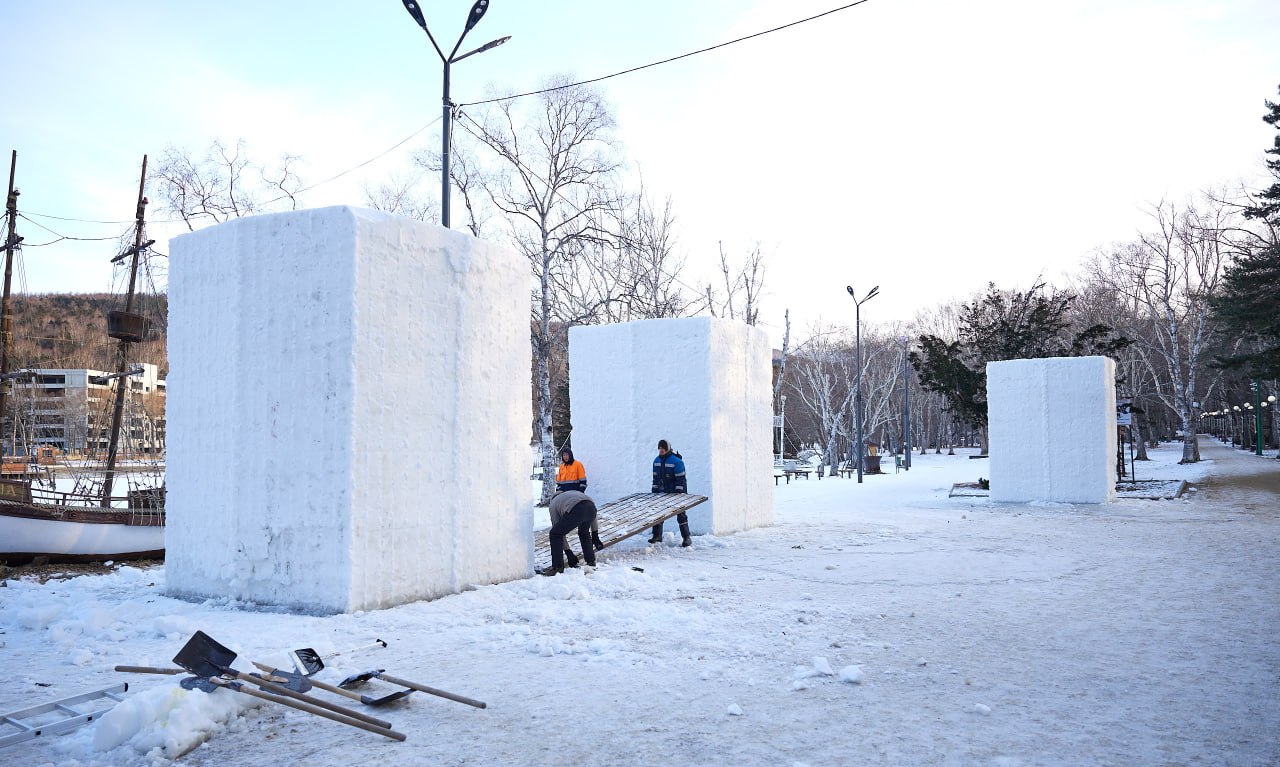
572, 475
570, 509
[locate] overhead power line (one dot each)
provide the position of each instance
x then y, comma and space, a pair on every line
664, 61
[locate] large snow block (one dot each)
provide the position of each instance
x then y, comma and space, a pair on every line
348, 412
1052, 428
702, 384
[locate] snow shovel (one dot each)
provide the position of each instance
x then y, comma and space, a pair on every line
357, 679
365, 699
207, 659
308, 662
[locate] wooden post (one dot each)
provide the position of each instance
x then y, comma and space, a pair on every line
122, 367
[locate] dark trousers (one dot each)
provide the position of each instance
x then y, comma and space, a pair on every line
580, 516
682, 519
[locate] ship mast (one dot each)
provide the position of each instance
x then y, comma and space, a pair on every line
128, 327
6, 317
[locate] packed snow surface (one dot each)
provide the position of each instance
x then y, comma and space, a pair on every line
878, 624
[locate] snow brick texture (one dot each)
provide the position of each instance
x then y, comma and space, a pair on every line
1052, 429
348, 412
702, 384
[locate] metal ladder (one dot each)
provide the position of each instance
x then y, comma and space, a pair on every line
43, 719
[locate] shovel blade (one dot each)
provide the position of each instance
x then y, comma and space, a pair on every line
204, 657
385, 699
307, 661
288, 680
196, 683
356, 680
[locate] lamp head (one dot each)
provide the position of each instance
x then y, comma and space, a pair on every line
477, 13
415, 12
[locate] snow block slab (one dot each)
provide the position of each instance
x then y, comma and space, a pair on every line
348, 412
1052, 428
701, 383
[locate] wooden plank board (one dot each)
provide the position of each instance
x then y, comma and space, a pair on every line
621, 519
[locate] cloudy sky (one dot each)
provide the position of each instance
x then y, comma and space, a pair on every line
922, 145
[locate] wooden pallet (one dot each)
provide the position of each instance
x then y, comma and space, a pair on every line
621, 519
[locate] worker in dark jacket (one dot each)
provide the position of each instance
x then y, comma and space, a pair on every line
570, 509
668, 477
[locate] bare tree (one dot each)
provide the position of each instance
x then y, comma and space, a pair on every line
554, 192
1166, 278
649, 268
823, 370
222, 184
743, 287
401, 196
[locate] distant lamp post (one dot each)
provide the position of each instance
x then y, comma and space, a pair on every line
1271, 401
477, 13
1257, 417
857, 353
906, 401
782, 426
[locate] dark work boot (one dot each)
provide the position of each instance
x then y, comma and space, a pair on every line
685, 540
656, 536
551, 571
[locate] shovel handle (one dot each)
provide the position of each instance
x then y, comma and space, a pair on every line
316, 683
315, 702
432, 690
310, 709
149, 670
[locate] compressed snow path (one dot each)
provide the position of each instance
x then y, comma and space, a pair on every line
880, 624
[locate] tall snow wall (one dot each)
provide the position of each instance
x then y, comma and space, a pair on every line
348, 412
702, 384
1052, 429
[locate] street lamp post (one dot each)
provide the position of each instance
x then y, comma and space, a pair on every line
1275, 433
477, 13
782, 427
857, 394
906, 402
1257, 416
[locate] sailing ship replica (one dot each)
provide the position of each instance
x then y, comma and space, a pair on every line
105, 515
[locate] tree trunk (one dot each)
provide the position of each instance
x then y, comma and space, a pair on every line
1139, 439
1190, 445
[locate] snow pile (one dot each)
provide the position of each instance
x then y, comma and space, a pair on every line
343, 397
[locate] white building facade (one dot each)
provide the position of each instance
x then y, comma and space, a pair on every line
71, 409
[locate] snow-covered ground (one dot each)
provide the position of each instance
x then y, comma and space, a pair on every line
879, 624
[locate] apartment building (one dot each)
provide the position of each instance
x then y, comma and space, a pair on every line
71, 409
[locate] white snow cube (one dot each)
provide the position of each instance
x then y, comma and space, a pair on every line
1052, 429
702, 384
348, 412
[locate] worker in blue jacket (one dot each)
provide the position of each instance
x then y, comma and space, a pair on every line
668, 477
